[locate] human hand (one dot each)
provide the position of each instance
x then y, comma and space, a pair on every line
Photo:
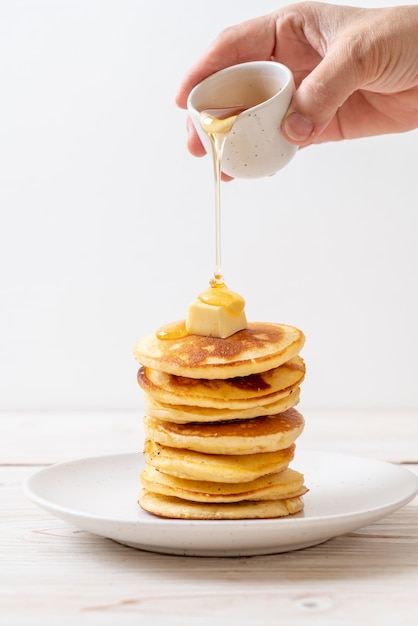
356, 70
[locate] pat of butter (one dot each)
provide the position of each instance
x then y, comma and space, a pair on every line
213, 320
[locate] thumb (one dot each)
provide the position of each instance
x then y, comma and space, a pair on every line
318, 98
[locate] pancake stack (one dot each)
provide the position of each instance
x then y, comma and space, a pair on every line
220, 424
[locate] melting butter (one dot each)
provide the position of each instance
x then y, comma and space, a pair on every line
218, 294
217, 312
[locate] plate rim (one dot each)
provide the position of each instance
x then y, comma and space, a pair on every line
299, 521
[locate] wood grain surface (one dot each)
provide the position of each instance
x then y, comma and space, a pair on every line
53, 573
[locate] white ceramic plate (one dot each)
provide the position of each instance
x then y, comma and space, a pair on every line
99, 495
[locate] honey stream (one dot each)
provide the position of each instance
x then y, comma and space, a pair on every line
217, 124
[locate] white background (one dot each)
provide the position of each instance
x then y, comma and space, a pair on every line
107, 223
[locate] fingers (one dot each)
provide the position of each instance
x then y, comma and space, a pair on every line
319, 97
252, 40
194, 144
322, 44
351, 58
297, 128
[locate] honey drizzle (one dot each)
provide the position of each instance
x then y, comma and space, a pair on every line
175, 330
217, 124
219, 295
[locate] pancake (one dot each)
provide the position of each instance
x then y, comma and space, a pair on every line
226, 468
233, 393
258, 348
220, 423
177, 508
183, 414
285, 484
260, 434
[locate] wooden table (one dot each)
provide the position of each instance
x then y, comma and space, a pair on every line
53, 573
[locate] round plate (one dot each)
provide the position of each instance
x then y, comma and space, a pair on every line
99, 495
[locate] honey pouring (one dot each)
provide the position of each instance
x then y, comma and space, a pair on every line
218, 311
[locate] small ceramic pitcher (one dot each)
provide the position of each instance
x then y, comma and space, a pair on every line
255, 147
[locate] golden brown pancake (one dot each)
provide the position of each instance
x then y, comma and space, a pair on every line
261, 434
227, 468
177, 508
182, 414
232, 393
220, 423
258, 348
285, 484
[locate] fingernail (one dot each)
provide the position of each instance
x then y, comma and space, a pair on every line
298, 127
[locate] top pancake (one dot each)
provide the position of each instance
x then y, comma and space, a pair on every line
260, 347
